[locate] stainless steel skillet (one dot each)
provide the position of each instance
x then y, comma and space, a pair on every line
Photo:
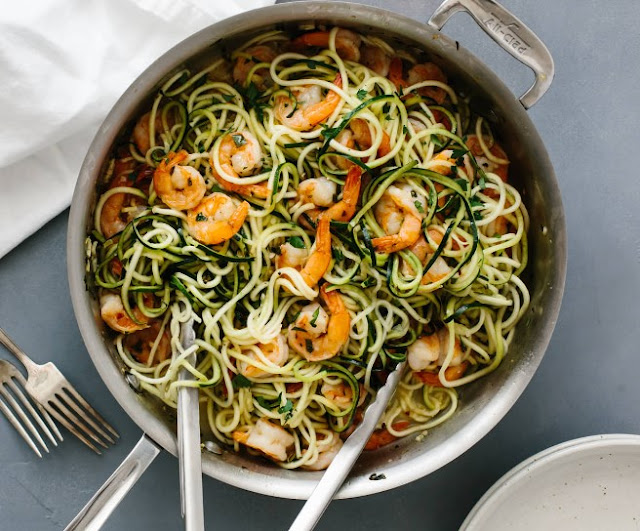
485, 402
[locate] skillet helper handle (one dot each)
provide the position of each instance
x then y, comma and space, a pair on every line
511, 34
99, 508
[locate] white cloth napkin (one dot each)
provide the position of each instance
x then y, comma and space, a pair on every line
63, 64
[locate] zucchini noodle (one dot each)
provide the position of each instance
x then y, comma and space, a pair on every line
277, 128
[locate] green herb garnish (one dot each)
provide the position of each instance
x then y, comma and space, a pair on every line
240, 381
239, 140
314, 317
297, 242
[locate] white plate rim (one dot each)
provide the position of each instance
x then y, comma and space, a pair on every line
558, 451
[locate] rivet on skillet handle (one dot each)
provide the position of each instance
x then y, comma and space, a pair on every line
511, 34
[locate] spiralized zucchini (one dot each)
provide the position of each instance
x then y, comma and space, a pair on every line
449, 299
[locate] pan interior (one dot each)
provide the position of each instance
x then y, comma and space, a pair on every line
482, 403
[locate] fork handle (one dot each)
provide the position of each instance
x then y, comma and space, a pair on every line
99, 508
28, 363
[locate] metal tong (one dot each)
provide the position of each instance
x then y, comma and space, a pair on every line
343, 462
189, 453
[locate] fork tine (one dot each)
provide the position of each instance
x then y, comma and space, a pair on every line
25, 420
16, 424
74, 394
54, 413
61, 404
70, 402
52, 424
16, 391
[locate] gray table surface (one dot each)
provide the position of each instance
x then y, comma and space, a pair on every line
588, 380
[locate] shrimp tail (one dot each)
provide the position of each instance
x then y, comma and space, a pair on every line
237, 218
408, 235
319, 260
314, 38
345, 209
318, 112
395, 73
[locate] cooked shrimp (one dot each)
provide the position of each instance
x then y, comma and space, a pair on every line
142, 131
444, 163
140, 344
417, 74
313, 319
428, 72
437, 271
319, 191
216, 219
326, 453
347, 42
113, 313
340, 394
275, 353
382, 437
362, 136
396, 75
180, 187
450, 374
327, 345
260, 53
240, 155
375, 58
433, 349
401, 218
500, 169
270, 439
309, 109
319, 260
421, 248
345, 209
113, 216
358, 134
291, 256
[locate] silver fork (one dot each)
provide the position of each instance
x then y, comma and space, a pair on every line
48, 386
9, 375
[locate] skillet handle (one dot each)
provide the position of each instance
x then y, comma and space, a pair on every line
511, 34
99, 508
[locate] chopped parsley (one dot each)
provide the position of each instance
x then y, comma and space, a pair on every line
287, 408
240, 381
315, 316
266, 403
337, 255
362, 94
297, 242
419, 206
201, 217
329, 133
239, 140
459, 153
308, 345
482, 183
